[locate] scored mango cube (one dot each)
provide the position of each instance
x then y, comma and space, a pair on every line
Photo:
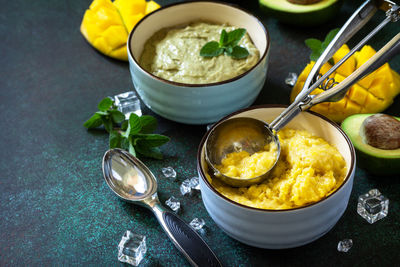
362, 56
321, 108
131, 11
324, 69
352, 107
358, 94
339, 106
372, 104
115, 36
349, 65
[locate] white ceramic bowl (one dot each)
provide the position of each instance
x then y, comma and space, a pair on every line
197, 103
276, 229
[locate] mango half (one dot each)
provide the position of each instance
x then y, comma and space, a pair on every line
372, 94
106, 25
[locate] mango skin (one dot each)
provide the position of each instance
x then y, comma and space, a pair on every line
372, 94
378, 162
106, 25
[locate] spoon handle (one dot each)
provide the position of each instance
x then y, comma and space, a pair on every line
187, 240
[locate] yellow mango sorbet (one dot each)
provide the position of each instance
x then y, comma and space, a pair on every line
309, 169
243, 165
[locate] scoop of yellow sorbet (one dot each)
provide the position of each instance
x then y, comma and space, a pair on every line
243, 165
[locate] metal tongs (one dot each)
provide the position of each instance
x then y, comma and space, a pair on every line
336, 91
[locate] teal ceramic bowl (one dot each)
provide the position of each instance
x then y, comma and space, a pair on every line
288, 228
197, 103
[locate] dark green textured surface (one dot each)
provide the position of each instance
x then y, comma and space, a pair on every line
55, 207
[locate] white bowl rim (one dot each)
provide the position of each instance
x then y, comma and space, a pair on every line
345, 181
202, 84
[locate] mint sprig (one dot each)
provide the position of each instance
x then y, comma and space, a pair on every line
134, 135
317, 47
228, 44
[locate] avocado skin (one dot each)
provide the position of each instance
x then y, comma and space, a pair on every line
373, 163
377, 166
312, 18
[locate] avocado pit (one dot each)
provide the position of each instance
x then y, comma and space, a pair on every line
381, 131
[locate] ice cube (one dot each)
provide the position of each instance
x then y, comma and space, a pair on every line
186, 187
291, 79
169, 172
189, 184
197, 224
132, 248
195, 183
344, 245
128, 103
173, 203
373, 206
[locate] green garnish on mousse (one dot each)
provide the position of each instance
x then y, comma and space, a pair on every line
134, 135
228, 44
317, 47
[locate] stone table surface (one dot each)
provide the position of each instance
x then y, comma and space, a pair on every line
55, 207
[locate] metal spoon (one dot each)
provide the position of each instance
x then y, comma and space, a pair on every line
132, 181
252, 135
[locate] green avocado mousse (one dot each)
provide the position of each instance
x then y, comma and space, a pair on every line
376, 138
301, 12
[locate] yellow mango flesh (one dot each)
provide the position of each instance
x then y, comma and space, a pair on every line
372, 94
106, 25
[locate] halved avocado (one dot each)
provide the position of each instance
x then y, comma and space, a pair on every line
301, 15
376, 161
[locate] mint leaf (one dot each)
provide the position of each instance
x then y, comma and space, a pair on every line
223, 39
149, 124
134, 135
114, 139
125, 143
228, 50
151, 140
227, 43
317, 47
102, 113
235, 36
315, 55
124, 125
211, 49
329, 37
151, 152
105, 104
131, 149
239, 52
93, 122
134, 125
117, 116
313, 44
108, 125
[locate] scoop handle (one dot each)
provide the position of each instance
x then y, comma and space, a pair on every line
186, 239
